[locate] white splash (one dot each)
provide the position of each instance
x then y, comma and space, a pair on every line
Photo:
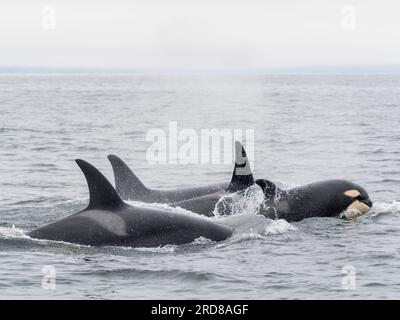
202, 240
385, 208
169, 248
279, 226
165, 207
271, 227
240, 238
12, 233
244, 202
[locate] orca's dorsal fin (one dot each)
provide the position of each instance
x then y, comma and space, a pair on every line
102, 193
127, 184
269, 188
242, 177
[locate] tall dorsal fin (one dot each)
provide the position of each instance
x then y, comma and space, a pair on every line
242, 177
127, 184
102, 193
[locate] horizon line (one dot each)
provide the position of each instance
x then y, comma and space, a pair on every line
312, 69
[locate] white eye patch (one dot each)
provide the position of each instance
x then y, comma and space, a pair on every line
352, 193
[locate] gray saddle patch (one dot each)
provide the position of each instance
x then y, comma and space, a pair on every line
108, 220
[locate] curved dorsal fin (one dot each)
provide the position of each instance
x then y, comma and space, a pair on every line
269, 188
242, 177
102, 193
127, 184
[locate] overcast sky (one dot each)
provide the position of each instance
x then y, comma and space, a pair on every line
188, 34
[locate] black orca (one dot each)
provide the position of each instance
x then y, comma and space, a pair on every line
242, 178
330, 198
109, 221
129, 187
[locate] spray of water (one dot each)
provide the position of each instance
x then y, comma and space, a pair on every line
244, 202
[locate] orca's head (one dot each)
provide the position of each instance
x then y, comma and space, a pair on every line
333, 197
340, 197
356, 200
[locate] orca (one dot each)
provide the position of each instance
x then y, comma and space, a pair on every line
108, 221
242, 178
330, 198
130, 188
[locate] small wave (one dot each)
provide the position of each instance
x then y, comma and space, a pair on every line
44, 165
173, 248
169, 248
273, 227
163, 273
375, 284
202, 241
13, 233
279, 226
244, 237
385, 180
386, 208
248, 236
19, 130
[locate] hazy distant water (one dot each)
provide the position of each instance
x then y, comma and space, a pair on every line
307, 128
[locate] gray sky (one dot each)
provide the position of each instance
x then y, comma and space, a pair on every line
188, 34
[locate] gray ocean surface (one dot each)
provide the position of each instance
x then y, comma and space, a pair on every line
306, 128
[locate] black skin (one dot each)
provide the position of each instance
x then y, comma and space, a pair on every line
320, 199
140, 227
204, 205
129, 187
109, 221
175, 194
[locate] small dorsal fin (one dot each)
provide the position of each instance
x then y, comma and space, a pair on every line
102, 193
242, 177
269, 188
127, 184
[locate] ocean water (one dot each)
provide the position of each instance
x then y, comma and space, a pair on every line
306, 128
